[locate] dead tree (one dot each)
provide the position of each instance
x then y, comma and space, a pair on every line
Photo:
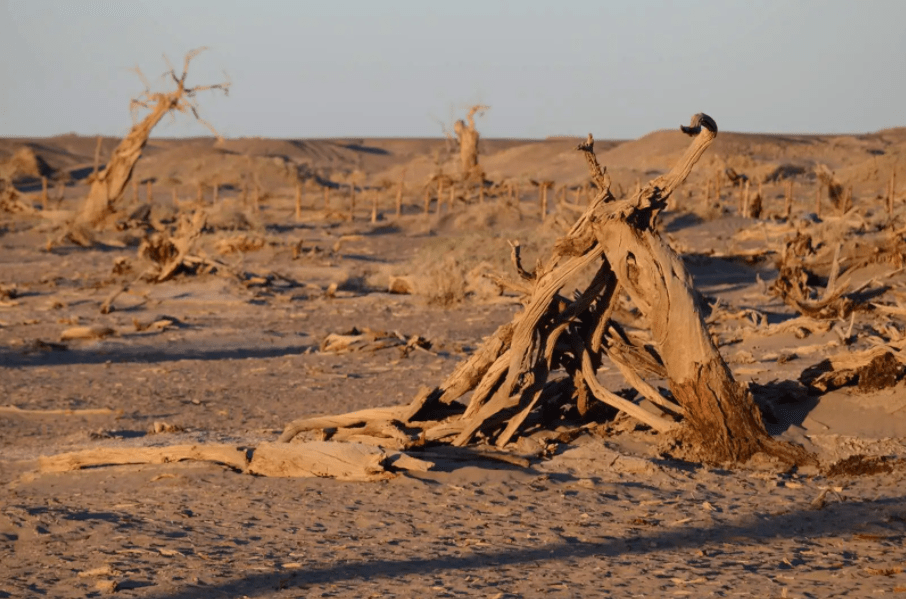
546, 359
467, 137
108, 186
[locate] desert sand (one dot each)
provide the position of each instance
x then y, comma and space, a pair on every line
229, 352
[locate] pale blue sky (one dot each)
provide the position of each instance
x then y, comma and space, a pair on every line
381, 68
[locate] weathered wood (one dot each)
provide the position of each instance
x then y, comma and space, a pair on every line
86, 332
721, 418
467, 136
359, 418
343, 461
525, 342
510, 374
228, 455
469, 373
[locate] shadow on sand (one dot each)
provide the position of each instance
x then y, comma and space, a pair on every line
68, 357
838, 519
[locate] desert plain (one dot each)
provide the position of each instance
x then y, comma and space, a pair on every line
376, 244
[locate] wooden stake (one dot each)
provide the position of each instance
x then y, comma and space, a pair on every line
97, 156
352, 202
891, 185
745, 200
761, 199
374, 202
43, 193
298, 201
788, 208
541, 200
818, 201
452, 197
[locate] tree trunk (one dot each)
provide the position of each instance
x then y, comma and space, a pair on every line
109, 185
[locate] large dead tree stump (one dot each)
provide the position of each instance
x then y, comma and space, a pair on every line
547, 357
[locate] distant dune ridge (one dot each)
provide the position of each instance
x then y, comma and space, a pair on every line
858, 159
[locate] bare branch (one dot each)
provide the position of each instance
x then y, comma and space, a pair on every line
189, 56
598, 173
477, 108
142, 78
171, 70
517, 261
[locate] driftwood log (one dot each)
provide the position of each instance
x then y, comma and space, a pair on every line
546, 359
344, 461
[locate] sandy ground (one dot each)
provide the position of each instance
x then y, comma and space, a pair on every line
604, 515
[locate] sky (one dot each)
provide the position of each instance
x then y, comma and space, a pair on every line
409, 68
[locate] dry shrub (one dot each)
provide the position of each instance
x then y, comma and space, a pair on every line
835, 190
451, 282
25, 164
158, 248
240, 243
488, 217
448, 271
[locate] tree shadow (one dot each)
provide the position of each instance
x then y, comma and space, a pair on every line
783, 404
708, 271
682, 221
358, 147
60, 355
835, 520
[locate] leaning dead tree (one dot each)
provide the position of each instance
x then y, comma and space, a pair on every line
467, 137
108, 186
545, 361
